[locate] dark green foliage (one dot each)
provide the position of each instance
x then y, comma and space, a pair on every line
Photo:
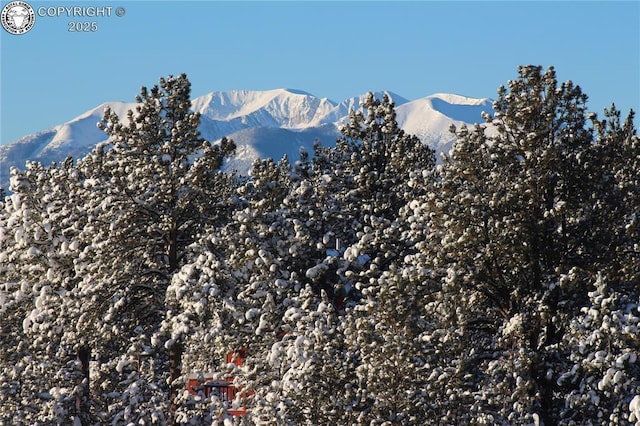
523, 225
381, 156
617, 154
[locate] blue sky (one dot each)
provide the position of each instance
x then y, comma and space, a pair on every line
330, 49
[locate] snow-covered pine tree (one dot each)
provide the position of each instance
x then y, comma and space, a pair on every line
365, 178
381, 156
601, 381
617, 153
384, 331
201, 319
315, 384
515, 211
233, 295
285, 303
150, 192
370, 177
40, 224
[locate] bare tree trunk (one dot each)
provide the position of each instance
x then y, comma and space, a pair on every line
82, 398
175, 370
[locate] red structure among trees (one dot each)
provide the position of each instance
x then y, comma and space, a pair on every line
224, 390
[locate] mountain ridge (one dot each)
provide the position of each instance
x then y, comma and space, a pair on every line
269, 123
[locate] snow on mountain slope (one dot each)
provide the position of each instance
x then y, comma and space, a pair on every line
82, 131
340, 112
76, 135
354, 102
284, 108
74, 138
253, 144
262, 123
430, 118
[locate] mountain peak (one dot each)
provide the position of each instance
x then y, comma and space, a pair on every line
455, 99
289, 108
296, 92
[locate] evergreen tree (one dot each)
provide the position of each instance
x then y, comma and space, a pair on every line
371, 176
617, 154
603, 377
384, 329
40, 225
150, 193
516, 215
380, 156
238, 288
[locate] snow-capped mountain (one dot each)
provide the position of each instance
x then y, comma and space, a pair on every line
284, 108
262, 123
431, 117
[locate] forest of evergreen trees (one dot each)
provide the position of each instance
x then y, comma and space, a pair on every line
368, 283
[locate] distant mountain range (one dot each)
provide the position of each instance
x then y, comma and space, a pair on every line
262, 124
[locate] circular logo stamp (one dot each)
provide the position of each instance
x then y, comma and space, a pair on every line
18, 17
